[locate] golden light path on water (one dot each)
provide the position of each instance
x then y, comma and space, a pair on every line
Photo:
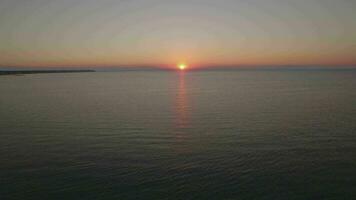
182, 106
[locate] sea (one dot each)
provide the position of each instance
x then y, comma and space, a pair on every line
214, 134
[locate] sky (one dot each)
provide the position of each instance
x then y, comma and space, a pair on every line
163, 33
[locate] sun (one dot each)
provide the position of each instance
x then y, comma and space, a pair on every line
182, 66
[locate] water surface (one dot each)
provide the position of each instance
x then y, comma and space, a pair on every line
168, 135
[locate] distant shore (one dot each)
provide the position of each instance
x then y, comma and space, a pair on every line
22, 72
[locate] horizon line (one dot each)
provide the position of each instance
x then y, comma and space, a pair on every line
194, 66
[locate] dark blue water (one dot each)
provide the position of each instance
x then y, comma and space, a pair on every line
168, 135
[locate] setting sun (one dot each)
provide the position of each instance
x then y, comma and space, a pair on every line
182, 66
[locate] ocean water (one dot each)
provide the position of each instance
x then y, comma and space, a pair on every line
234, 134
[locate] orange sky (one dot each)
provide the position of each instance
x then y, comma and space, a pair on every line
164, 33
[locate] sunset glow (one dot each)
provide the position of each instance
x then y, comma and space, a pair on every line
182, 66
156, 33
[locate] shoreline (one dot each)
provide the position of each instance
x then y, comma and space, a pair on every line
23, 72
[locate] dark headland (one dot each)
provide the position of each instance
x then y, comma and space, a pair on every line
21, 72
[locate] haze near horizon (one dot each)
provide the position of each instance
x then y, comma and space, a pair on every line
164, 33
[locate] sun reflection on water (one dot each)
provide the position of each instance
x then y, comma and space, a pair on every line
181, 105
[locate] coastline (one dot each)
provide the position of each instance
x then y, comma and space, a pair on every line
23, 72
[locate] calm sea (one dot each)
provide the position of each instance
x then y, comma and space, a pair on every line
170, 135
